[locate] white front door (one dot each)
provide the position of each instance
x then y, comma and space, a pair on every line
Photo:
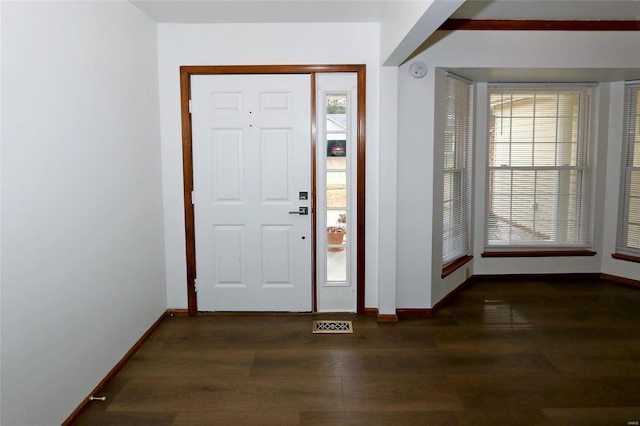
252, 174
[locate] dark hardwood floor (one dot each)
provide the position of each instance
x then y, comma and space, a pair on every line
501, 353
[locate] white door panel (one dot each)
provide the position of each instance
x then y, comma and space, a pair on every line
251, 158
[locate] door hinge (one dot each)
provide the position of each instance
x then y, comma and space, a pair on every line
193, 197
195, 285
189, 106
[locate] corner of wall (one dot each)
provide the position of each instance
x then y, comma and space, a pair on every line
388, 170
1, 137
610, 146
81, 200
414, 194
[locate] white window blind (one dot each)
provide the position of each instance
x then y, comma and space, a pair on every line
628, 241
456, 234
538, 177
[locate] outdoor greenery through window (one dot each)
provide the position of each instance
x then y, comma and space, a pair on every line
538, 182
456, 235
629, 222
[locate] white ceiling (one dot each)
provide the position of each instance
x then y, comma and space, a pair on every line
275, 11
308, 11
550, 9
262, 11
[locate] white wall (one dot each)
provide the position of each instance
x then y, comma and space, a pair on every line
387, 171
517, 55
0, 214
415, 189
611, 197
256, 44
82, 245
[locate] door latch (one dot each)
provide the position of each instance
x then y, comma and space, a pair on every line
302, 211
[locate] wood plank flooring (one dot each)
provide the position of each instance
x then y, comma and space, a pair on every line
501, 353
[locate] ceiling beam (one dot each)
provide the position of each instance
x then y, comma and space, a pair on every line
407, 24
537, 25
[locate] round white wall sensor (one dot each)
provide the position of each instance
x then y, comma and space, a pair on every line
418, 69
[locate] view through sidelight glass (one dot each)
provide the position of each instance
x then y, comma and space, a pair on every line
337, 194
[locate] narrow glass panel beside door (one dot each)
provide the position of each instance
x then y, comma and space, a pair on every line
336, 133
335, 184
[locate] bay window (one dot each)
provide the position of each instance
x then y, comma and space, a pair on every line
538, 171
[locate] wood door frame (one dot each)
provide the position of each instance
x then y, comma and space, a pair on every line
186, 71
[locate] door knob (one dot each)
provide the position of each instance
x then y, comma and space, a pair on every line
301, 211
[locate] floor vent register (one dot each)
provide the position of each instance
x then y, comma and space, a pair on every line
332, 327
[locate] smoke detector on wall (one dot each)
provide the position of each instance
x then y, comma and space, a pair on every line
418, 69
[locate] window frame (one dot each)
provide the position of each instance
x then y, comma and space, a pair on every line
461, 174
586, 117
631, 130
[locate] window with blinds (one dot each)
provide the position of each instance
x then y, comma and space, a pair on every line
628, 241
456, 234
538, 177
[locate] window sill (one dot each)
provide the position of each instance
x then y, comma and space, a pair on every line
626, 257
452, 266
538, 253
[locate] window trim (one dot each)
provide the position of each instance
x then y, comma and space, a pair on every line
626, 257
538, 253
454, 265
